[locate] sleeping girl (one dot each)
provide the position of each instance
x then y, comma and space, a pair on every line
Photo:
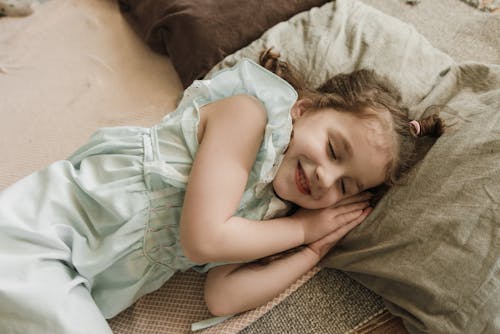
251, 163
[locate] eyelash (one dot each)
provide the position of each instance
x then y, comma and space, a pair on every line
332, 151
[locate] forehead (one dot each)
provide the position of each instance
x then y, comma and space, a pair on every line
375, 124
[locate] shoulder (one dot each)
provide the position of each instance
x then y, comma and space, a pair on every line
242, 105
239, 111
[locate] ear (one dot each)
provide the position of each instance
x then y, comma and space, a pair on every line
300, 107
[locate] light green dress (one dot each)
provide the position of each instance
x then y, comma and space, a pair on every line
84, 238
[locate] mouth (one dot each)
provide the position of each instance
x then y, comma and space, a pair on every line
301, 180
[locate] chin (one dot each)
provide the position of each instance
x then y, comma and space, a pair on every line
306, 206
279, 192
280, 189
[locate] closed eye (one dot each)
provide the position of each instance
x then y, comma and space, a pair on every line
332, 151
334, 156
342, 186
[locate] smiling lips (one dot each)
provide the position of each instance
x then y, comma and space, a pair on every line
301, 180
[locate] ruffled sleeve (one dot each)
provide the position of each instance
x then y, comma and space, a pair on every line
246, 77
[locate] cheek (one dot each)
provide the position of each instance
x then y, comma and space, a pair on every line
282, 178
325, 201
278, 183
332, 197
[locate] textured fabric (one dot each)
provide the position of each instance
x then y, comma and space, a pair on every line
159, 312
197, 34
169, 310
430, 247
381, 323
86, 69
105, 222
451, 26
343, 36
328, 290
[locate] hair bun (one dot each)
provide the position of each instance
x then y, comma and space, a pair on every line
432, 126
269, 59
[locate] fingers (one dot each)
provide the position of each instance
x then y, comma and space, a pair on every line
340, 232
353, 208
322, 246
329, 219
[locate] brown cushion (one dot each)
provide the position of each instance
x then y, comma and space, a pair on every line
197, 34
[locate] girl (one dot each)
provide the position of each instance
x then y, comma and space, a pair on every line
86, 237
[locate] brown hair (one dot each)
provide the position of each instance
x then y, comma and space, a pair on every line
357, 92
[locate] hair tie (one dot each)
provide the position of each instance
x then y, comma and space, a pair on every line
416, 125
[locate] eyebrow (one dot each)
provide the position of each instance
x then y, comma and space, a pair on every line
347, 148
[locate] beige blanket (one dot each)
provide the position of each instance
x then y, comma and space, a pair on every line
68, 69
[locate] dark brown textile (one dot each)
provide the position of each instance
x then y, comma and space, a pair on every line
197, 34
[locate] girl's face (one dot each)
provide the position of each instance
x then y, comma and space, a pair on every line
332, 155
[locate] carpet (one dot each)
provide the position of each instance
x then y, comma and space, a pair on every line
330, 302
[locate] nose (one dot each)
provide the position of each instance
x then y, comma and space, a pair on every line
327, 176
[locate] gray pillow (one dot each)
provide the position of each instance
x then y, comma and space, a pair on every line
431, 247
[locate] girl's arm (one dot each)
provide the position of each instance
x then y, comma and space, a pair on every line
235, 288
230, 134
231, 131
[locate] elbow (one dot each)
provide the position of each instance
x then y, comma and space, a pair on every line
203, 245
197, 251
218, 304
217, 308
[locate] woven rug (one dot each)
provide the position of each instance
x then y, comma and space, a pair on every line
330, 302
179, 303
321, 301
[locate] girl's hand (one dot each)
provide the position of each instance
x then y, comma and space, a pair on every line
323, 245
319, 223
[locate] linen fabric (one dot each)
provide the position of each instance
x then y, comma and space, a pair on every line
431, 247
86, 237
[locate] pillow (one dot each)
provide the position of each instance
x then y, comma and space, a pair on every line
431, 247
197, 34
